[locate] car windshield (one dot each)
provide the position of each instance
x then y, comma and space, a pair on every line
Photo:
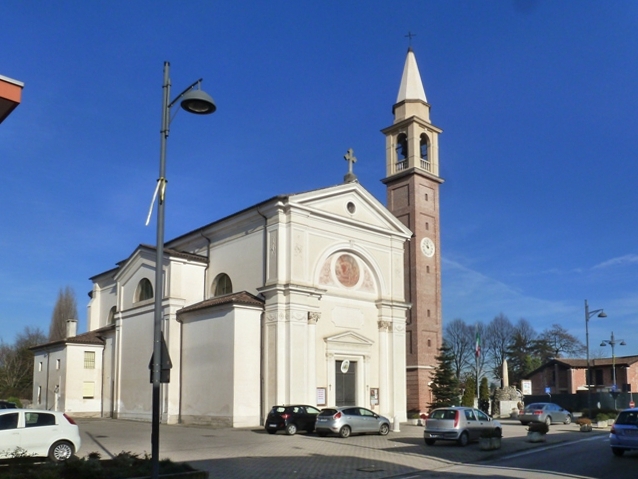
443, 414
535, 406
628, 418
328, 412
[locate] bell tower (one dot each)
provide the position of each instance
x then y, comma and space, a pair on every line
412, 181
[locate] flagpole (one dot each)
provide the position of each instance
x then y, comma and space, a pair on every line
477, 353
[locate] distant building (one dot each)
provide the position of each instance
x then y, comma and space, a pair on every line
10, 96
568, 376
302, 298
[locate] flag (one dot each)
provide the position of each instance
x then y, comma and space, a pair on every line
477, 349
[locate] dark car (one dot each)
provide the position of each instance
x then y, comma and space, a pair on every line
624, 432
546, 412
7, 405
351, 420
291, 419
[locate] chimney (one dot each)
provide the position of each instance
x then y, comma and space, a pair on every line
71, 328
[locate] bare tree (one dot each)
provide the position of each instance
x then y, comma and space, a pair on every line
459, 336
66, 307
561, 343
16, 363
500, 332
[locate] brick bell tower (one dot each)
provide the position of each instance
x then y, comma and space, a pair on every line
412, 181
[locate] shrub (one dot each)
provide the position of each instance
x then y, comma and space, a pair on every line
489, 433
538, 427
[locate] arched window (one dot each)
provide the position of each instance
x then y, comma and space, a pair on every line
402, 147
144, 290
222, 285
111, 318
424, 147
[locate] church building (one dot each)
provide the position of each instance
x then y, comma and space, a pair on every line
325, 298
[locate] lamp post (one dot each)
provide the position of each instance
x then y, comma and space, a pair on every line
588, 315
193, 100
612, 342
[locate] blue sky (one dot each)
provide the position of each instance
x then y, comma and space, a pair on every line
537, 100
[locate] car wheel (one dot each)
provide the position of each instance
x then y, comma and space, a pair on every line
384, 429
430, 442
568, 419
463, 439
61, 451
291, 429
617, 451
345, 431
271, 431
548, 420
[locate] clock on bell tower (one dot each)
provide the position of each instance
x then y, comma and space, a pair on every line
412, 181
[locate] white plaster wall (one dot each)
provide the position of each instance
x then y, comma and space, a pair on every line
220, 367
133, 400
74, 403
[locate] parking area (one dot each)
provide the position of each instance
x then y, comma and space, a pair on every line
253, 453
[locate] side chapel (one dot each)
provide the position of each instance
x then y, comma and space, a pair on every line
326, 298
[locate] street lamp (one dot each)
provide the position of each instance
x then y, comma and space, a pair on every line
193, 100
588, 315
612, 342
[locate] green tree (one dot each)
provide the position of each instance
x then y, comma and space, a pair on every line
469, 393
445, 385
66, 307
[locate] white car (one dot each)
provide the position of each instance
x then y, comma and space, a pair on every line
38, 433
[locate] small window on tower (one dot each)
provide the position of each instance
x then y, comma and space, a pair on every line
425, 159
427, 269
402, 147
428, 313
427, 226
429, 343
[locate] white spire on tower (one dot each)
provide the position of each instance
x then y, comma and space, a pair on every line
411, 85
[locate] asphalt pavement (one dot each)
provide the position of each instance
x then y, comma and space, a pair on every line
247, 453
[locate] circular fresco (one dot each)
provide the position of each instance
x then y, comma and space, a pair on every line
347, 270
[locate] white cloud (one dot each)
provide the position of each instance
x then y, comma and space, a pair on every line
620, 261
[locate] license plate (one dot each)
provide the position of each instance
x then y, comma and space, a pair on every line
272, 425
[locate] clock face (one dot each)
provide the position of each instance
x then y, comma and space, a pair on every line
427, 247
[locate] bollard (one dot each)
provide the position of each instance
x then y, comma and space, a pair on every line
395, 424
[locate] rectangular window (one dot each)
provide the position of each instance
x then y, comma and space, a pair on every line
39, 394
88, 390
89, 359
40, 366
57, 364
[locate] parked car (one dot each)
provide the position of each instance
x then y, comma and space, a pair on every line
291, 419
546, 412
7, 405
350, 420
39, 433
624, 432
460, 424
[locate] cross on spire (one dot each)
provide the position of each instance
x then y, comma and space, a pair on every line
351, 159
410, 35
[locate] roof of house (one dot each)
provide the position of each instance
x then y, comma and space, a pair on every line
241, 297
574, 363
90, 337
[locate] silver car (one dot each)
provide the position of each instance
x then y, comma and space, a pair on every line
350, 420
546, 412
460, 424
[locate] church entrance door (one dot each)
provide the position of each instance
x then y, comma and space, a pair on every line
345, 381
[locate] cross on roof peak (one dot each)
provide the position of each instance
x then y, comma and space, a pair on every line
351, 159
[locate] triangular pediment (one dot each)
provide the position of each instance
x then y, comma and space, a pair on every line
349, 338
350, 202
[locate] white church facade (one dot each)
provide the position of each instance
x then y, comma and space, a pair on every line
301, 299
